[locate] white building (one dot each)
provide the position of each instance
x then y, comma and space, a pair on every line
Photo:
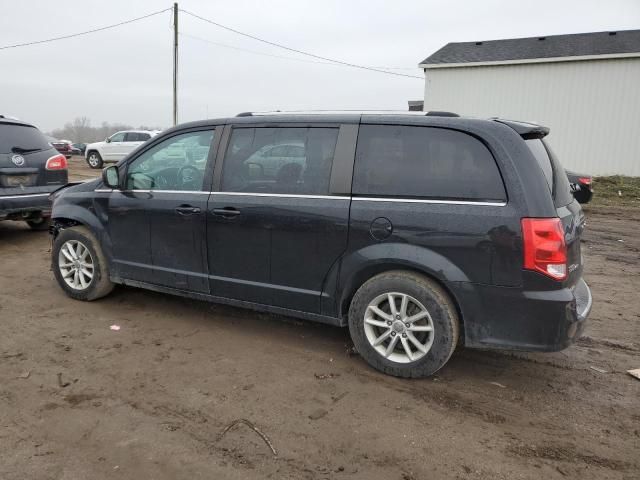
585, 87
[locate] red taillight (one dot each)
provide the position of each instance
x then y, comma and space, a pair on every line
545, 250
585, 180
57, 162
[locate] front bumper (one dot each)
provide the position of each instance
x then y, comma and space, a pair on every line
511, 318
24, 204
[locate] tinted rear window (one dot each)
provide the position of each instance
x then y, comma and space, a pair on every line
425, 162
553, 172
21, 139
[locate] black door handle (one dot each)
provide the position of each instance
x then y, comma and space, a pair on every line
187, 210
226, 212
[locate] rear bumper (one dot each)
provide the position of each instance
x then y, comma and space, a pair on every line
11, 205
510, 318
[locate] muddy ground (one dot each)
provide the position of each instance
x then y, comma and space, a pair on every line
79, 401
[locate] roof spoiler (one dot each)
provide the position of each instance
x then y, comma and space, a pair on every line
526, 130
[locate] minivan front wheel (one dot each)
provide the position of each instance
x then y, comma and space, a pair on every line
403, 324
94, 160
79, 264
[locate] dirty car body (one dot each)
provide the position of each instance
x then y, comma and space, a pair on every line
220, 228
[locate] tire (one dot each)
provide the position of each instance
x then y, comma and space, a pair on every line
94, 160
39, 224
99, 284
583, 196
422, 295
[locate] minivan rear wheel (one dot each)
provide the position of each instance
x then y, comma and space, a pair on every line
94, 160
403, 324
79, 265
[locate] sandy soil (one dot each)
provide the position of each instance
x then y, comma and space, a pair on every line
78, 400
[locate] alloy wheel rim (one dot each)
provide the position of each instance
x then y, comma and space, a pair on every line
93, 160
76, 264
398, 327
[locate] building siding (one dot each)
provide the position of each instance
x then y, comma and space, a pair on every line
592, 107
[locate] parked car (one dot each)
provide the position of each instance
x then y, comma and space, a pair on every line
64, 147
116, 147
417, 232
30, 169
78, 148
581, 186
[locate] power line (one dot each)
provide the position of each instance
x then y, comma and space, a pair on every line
182, 34
340, 62
256, 52
84, 33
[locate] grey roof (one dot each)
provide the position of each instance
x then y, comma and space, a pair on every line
572, 45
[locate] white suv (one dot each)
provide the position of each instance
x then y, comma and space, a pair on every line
116, 147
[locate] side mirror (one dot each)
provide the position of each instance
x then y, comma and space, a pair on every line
111, 177
107, 140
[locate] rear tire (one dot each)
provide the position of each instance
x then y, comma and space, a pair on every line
79, 265
412, 339
39, 224
94, 160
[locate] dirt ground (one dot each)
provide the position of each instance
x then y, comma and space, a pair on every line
79, 401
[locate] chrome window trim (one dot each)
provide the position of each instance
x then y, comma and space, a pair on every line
105, 190
425, 200
283, 195
2, 197
322, 197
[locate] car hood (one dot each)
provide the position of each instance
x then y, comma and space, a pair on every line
95, 145
74, 187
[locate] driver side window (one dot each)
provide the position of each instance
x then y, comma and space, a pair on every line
177, 163
117, 137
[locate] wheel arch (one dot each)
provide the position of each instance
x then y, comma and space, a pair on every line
66, 216
353, 278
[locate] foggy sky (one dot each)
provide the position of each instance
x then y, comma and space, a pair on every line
125, 74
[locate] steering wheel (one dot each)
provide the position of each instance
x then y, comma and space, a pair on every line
194, 180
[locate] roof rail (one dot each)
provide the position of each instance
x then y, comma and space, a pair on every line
354, 112
438, 113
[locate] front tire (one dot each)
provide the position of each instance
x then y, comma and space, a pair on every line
94, 160
79, 265
403, 324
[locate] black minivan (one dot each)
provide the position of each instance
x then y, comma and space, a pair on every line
419, 232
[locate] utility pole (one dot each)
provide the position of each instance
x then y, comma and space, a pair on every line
175, 63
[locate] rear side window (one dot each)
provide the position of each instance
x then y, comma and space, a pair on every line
424, 162
21, 139
553, 172
279, 160
136, 137
537, 148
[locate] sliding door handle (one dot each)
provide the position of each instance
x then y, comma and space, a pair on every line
187, 210
228, 212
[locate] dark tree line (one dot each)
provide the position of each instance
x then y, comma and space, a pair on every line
81, 131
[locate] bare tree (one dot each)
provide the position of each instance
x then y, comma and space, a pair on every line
81, 131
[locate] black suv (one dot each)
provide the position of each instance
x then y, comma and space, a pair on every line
419, 232
30, 169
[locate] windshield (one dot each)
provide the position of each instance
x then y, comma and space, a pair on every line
21, 139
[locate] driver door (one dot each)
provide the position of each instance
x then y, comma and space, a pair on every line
174, 176
110, 150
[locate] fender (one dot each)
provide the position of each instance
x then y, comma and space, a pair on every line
84, 215
360, 265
